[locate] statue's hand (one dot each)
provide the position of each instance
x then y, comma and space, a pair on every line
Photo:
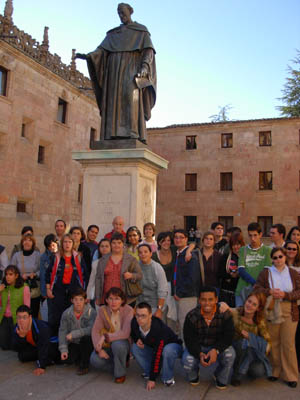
143, 72
81, 56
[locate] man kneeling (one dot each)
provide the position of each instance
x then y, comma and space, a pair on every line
31, 339
75, 343
208, 335
155, 346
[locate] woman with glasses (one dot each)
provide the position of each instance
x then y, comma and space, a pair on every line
133, 239
283, 283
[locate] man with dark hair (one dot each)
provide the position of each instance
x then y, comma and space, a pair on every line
220, 241
91, 236
31, 339
277, 235
208, 335
186, 278
253, 258
155, 346
75, 343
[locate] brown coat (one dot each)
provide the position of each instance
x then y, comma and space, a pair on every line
262, 285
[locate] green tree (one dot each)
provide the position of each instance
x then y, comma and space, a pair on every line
291, 90
222, 115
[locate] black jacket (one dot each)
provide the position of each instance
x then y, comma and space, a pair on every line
41, 336
159, 336
197, 334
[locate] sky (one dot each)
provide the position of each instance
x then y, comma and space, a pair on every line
209, 54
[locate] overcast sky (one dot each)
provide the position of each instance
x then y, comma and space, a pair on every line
208, 53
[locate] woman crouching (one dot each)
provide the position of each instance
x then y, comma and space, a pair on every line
110, 334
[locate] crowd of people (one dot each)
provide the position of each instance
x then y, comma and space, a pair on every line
222, 307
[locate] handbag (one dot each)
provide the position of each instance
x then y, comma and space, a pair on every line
273, 311
34, 284
105, 330
132, 289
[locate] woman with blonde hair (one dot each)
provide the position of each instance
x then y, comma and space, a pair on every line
65, 273
251, 341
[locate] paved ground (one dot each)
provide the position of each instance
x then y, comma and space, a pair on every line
61, 383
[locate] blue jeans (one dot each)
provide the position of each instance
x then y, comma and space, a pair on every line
251, 364
118, 351
222, 368
170, 353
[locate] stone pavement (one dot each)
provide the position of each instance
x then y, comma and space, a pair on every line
61, 383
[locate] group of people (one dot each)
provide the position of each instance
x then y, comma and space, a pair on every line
224, 308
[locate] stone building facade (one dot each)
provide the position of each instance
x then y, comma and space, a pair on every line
236, 172
47, 110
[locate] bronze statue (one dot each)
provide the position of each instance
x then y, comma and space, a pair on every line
123, 73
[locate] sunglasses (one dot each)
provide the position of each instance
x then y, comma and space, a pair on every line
291, 248
276, 257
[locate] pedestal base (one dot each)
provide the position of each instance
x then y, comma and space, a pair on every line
119, 182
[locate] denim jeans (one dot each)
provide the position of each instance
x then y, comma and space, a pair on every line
254, 367
170, 353
222, 368
118, 351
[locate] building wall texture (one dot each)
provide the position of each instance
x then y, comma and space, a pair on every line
245, 159
49, 189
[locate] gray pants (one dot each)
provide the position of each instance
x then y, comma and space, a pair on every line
184, 305
117, 352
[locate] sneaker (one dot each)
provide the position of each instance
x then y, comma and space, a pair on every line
194, 382
220, 385
144, 375
170, 382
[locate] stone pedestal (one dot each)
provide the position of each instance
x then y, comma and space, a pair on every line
119, 182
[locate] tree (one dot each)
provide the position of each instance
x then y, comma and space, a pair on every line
222, 115
291, 91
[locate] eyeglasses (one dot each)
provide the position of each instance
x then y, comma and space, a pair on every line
276, 257
291, 248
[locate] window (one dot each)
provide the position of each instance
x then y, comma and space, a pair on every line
190, 143
265, 138
92, 137
190, 182
265, 180
21, 206
23, 130
265, 223
226, 221
226, 140
79, 199
41, 155
62, 111
190, 221
226, 181
3, 81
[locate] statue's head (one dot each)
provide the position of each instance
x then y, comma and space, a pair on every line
125, 11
